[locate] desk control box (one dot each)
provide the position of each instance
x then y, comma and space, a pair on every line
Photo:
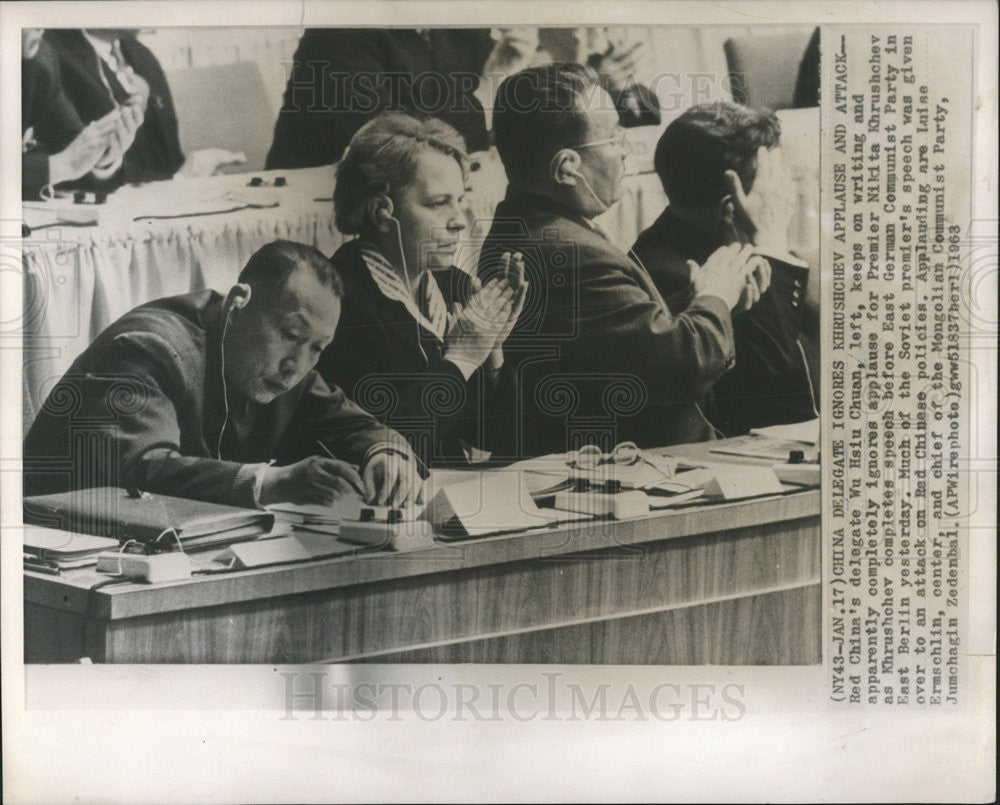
384, 514
619, 505
384, 527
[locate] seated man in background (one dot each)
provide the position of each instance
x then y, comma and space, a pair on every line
102, 69
598, 354
343, 77
199, 395
720, 165
56, 147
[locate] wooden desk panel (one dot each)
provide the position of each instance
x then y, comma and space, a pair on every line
778, 628
721, 584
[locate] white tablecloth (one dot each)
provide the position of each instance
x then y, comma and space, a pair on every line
79, 280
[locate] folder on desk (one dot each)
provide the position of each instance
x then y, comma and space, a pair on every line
152, 519
49, 549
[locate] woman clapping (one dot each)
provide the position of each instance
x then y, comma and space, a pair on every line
420, 342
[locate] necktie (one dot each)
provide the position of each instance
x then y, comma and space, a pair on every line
121, 68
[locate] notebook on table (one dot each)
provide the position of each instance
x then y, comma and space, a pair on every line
161, 522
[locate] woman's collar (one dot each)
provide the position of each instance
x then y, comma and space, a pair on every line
392, 286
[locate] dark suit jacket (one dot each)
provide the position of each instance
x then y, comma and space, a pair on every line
143, 406
768, 384
343, 77
599, 356
156, 152
394, 368
45, 110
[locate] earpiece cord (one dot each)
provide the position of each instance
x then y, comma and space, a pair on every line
812, 390
617, 230
604, 207
406, 278
225, 390
718, 433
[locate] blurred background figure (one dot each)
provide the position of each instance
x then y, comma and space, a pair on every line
341, 78
106, 69
56, 147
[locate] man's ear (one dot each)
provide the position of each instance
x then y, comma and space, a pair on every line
724, 211
565, 167
238, 297
725, 218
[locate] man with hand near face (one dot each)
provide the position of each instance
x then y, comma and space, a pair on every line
215, 398
596, 347
721, 166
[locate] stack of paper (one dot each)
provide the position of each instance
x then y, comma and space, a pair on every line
308, 517
50, 550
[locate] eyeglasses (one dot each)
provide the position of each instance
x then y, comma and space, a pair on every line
590, 456
621, 139
626, 454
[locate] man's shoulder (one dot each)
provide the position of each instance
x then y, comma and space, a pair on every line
141, 57
542, 225
69, 46
178, 323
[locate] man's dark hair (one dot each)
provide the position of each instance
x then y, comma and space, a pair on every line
267, 271
703, 143
538, 111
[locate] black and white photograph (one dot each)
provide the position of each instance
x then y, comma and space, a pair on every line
461, 369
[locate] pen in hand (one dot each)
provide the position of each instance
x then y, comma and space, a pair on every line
355, 487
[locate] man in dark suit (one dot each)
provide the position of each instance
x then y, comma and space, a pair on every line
101, 69
215, 398
720, 164
598, 355
56, 146
343, 77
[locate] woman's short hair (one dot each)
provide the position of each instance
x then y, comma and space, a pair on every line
382, 158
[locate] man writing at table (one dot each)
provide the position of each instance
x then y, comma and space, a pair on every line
215, 398
721, 166
599, 355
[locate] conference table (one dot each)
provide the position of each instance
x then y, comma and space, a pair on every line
733, 583
84, 266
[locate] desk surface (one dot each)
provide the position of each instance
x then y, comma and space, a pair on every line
71, 591
594, 591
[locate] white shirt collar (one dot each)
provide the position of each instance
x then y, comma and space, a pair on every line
103, 48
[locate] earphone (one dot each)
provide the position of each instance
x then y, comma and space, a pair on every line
574, 172
238, 298
383, 210
590, 190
